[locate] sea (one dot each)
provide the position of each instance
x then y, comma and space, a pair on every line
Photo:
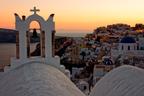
8, 50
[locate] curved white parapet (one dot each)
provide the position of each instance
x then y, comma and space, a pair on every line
37, 79
122, 81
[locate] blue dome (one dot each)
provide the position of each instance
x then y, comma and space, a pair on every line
127, 39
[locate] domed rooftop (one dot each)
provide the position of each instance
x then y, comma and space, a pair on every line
127, 39
122, 81
36, 79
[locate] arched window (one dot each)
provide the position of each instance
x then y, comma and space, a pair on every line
35, 40
34, 25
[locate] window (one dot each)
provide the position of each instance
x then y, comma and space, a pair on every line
137, 47
122, 47
128, 47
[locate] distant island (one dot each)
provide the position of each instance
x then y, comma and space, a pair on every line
9, 36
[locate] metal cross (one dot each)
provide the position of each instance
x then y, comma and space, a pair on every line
35, 10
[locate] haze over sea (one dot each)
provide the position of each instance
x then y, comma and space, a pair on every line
70, 34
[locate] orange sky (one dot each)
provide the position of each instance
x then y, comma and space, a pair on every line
76, 15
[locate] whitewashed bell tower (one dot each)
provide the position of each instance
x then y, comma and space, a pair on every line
47, 28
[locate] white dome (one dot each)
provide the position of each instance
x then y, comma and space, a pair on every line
122, 81
37, 80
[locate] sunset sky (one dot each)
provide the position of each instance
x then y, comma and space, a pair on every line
76, 15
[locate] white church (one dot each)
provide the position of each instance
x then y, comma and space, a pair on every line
128, 47
44, 76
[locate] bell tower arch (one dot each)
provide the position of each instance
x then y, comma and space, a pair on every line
47, 28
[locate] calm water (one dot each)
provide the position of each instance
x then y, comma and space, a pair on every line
8, 50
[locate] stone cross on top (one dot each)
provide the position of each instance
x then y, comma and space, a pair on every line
35, 10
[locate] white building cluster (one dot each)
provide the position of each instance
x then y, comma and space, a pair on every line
128, 48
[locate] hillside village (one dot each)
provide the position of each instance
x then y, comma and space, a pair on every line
107, 62
89, 58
